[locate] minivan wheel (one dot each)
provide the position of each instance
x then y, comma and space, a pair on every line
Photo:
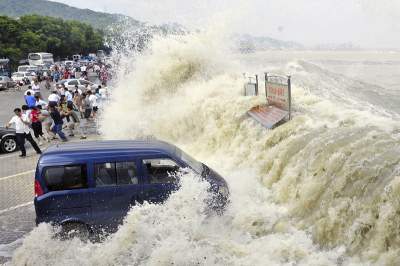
72, 230
8, 144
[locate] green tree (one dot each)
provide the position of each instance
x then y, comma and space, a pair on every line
14, 54
32, 42
33, 33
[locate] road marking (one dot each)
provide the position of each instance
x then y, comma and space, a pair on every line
16, 207
11, 176
16, 155
9, 156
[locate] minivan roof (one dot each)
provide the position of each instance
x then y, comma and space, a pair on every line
92, 149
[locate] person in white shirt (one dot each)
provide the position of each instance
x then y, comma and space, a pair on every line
26, 111
84, 71
87, 88
77, 90
93, 103
36, 88
61, 89
103, 92
68, 96
21, 122
40, 102
54, 97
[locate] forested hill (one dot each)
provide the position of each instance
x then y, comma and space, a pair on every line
34, 33
18, 8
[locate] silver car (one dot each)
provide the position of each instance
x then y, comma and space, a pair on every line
81, 83
6, 82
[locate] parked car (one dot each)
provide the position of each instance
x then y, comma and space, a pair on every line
6, 82
89, 187
70, 83
28, 68
8, 141
23, 77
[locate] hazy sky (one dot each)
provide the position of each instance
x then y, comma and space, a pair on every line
367, 23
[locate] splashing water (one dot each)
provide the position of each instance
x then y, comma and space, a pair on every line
323, 189
179, 232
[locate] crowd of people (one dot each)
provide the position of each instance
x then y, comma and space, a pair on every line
79, 71
64, 113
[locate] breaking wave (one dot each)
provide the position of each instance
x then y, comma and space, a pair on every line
322, 189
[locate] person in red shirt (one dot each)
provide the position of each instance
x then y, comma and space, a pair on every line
37, 124
66, 74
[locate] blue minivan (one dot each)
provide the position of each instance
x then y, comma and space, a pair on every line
89, 187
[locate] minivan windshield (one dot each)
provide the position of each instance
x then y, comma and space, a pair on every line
197, 166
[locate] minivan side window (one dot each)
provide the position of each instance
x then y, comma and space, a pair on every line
105, 175
65, 177
115, 173
161, 171
126, 173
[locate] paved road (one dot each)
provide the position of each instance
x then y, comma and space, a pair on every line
17, 216
16, 182
16, 194
12, 98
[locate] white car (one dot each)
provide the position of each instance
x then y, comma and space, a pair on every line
70, 84
22, 77
28, 68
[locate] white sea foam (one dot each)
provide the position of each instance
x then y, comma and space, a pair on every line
320, 190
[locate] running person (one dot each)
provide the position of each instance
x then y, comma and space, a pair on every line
58, 122
21, 122
37, 124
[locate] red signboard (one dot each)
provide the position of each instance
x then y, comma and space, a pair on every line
278, 95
